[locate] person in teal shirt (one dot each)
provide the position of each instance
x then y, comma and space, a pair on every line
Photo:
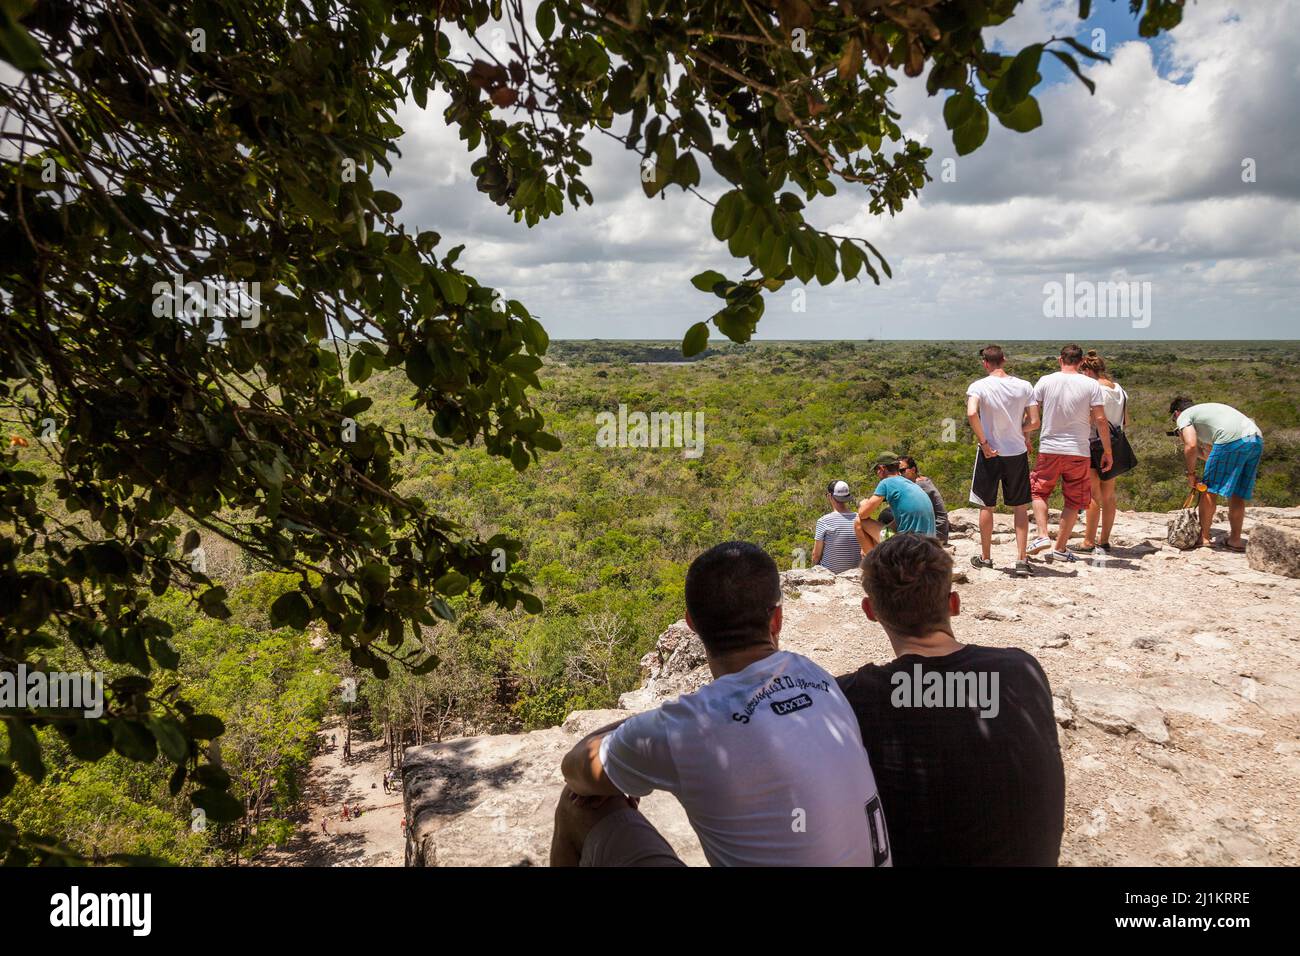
913, 511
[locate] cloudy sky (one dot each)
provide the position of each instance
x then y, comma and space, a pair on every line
1142, 183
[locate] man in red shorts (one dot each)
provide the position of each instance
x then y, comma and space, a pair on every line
1070, 403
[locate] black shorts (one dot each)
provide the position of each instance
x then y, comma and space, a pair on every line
1011, 471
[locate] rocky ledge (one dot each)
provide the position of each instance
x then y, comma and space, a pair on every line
1176, 678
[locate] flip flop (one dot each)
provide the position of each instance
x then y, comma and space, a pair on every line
1224, 546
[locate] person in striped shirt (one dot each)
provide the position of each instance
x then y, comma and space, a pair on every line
836, 546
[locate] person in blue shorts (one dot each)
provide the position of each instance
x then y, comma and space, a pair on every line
911, 506
1232, 446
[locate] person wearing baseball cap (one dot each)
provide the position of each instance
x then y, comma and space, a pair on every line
911, 506
835, 547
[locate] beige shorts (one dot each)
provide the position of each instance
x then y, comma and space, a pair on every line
627, 838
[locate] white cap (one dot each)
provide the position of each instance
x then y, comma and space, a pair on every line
840, 491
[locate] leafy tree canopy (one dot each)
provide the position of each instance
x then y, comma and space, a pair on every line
198, 270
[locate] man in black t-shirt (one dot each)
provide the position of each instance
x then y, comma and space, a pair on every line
961, 738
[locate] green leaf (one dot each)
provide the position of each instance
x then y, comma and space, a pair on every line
386, 201
727, 214
686, 171
1085, 51
24, 749
696, 339
1073, 67
290, 609
419, 367
1024, 117
88, 739
452, 287
851, 259
546, 19
133, 740
426, 666
219, 805
210, 775
358, 366
970, 136
546, 441
205, 726
1018, 80
355, 407
706, 280
309, 201
171, 738
177, 779
960, 108
451, 583
16, 44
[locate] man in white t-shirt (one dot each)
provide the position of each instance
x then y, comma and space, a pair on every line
1069, 404
1000, 409
767, 760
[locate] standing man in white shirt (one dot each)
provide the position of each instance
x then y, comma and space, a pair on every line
1001, 409
767, 760
1070, 404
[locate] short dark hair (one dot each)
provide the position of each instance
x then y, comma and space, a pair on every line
1071, 355
731, 591
908, 578
911, 462
1180, 405
993, 354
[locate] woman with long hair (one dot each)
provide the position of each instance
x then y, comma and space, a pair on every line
1101, 510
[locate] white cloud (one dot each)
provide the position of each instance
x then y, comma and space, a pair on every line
1143, 179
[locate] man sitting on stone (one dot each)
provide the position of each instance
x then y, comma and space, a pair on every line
962, 738
835, 545
909, 469
766, 760
909, 505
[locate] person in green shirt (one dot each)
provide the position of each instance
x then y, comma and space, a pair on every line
1232, 446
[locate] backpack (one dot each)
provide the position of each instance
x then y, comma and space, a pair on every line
1184, 525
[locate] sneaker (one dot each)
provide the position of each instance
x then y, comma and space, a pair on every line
1067, 556
1022, 570
979, 562
1039, 544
